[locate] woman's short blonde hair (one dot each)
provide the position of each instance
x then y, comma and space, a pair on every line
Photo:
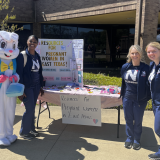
139, 50
153, 44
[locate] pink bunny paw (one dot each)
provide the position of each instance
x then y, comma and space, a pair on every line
3, 78
15, 78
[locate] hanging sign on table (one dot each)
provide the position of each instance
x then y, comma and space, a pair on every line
81, 109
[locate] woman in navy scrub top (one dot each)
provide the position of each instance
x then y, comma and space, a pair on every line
153, 53
31, 77
134, 93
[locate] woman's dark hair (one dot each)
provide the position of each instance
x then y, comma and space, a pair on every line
33, 37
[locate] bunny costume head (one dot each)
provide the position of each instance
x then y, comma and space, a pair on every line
8, 45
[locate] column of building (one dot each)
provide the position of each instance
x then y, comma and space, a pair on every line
148, 23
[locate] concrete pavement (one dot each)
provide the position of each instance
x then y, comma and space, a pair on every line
59, 141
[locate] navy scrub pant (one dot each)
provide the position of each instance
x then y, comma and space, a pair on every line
156, 111
133, 113
29, 103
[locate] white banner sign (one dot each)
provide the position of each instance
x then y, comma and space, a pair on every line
62, 60
80, 109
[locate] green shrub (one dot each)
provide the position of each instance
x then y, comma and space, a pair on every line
149, 105
100, 79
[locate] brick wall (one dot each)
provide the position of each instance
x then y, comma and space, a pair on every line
63, 9
37, 29
23, 9
149, 23
51, 6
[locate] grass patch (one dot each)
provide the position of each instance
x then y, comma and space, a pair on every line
18, 101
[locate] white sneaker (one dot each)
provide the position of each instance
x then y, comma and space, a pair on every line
12, 138
4, 142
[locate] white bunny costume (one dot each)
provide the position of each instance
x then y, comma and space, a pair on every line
8, 53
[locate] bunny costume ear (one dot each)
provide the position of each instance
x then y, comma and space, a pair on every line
5, 35
9, 36
14, 36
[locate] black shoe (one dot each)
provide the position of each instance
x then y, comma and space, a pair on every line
128, 145
136, 146
27, 136
153, 157
35, 133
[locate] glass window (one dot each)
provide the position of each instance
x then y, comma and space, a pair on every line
68, 32
89, 48
104, 45
100, 44
27, 26
125, 38
88, 35
51, 31
122, 40
131, 36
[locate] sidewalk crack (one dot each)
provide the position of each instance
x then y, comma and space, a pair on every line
55, 142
